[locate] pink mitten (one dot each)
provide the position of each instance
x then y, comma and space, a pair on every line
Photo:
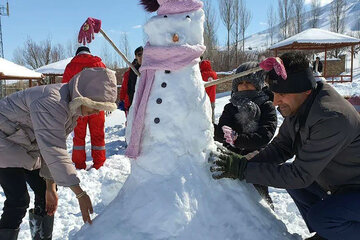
274, 63
87, 30
229, 135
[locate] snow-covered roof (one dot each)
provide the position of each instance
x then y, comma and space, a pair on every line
316, 37
10, 70
56, 68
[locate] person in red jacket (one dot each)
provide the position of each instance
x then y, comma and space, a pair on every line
124, 103
127, 90
83, 59
209, 75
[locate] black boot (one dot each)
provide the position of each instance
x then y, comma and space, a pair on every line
9, 234
315, 237
41, 227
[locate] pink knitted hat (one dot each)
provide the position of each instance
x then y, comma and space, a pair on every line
178, 6
164, 7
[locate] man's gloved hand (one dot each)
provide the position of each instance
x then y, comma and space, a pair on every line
229, 134
229, 166
121, 106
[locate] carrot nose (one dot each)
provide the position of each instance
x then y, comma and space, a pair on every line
175, 37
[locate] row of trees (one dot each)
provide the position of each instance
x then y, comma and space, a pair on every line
287, 19
36, 54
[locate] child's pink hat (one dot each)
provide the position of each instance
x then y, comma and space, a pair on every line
178, 6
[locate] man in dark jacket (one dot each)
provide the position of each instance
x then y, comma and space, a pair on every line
322, 130
132, 76
317, 65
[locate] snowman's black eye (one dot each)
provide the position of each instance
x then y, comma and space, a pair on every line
187, 16
165, 16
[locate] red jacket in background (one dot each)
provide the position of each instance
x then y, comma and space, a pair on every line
78, 63
208, 75
123, 96
96, 121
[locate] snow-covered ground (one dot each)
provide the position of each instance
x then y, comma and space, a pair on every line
104, 184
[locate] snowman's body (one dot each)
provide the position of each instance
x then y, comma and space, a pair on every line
170, 193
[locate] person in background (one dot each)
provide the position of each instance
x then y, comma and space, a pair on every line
83, 59
249, 121
209, 75
322, 130
131, 76
317, 65
124, 102
34, 126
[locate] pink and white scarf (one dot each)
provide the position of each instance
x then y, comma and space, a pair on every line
156, 58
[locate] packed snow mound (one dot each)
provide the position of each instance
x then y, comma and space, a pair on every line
186, 205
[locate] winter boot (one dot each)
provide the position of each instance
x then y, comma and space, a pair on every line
315, 237
9, 234
41, 227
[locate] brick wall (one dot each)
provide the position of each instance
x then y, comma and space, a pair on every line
336, 66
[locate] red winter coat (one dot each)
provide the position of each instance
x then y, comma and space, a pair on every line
78, 63
123, 96
95, 121
208, 75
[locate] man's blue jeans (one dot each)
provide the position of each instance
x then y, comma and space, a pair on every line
335, 216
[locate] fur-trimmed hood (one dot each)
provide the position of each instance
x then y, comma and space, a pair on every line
94, 88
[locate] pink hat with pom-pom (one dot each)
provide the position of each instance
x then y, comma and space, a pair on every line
164, 7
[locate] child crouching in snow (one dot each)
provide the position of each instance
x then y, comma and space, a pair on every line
34, 125
249, 121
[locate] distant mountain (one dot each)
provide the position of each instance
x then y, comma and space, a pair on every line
261, 40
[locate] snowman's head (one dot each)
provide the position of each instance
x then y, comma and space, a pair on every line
178, 22
176, 29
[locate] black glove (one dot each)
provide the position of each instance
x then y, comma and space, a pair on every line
121, 106
229, 166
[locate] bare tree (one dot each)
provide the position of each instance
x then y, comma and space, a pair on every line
337, 16
285, 9
245, 18
226, 15
271, 20
236, 30
298, 14
337, 19
210, 27
125, 47
35, 55
315, 13
71, 46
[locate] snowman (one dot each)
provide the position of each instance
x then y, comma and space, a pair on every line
170, 193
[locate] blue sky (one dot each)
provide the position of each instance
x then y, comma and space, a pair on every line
60, 20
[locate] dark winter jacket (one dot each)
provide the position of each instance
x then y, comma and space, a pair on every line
208, 75
251, 141
324, 136
132, 83
320, 67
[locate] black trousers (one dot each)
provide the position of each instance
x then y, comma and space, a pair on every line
13, 181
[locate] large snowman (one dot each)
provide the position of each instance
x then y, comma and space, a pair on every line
170, 193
